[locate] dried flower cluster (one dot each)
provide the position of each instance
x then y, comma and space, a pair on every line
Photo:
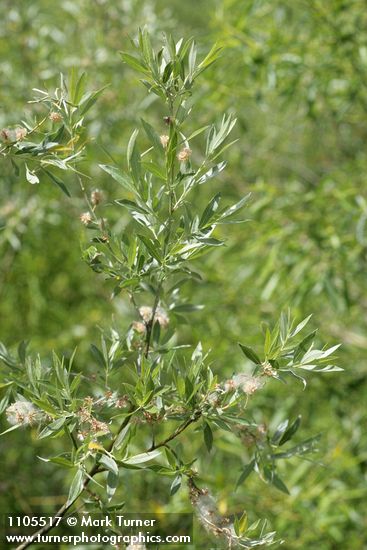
86, 218
250, 435
184, 154
244, 382
122, 402
96, 197
160, 316
10, 135
214, 398
164, 141
139, 327
89, 425
268, 370
151, 418
54, 116
24, 413
112, 399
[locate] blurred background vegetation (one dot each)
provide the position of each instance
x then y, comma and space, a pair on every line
295, 74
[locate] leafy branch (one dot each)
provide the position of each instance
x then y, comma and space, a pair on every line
145, 375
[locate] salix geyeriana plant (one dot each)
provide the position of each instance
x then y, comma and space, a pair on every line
149, 388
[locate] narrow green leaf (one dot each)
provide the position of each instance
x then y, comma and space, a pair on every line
5, 385
197, 133
131, 252
250, 354
54, 428
186, 308
89, 99
303, 346
279, 484
57, 181
59, 460
76, 487
152, 135
31, 176
118, 176
79, 89
98, 355
22, 350
210, 210
109, 463
279, 431
307, 446
235, 208
170, 457
15, 427
243, 523
45, 406
208, 436
212, 172
210, 58
134, 63
141, 458
300, 326
133, 156
245, 472
112, 483
152, 247
154, 169
289, 433
176, 484
284, 326
71, 82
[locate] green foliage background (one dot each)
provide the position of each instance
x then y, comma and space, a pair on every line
295, 74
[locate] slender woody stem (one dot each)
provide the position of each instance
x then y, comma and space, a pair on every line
96, 469
150, 323
177, 432
65, 507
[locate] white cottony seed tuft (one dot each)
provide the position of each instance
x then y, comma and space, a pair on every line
23, 412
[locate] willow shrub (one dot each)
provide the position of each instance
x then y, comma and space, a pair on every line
149, 386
